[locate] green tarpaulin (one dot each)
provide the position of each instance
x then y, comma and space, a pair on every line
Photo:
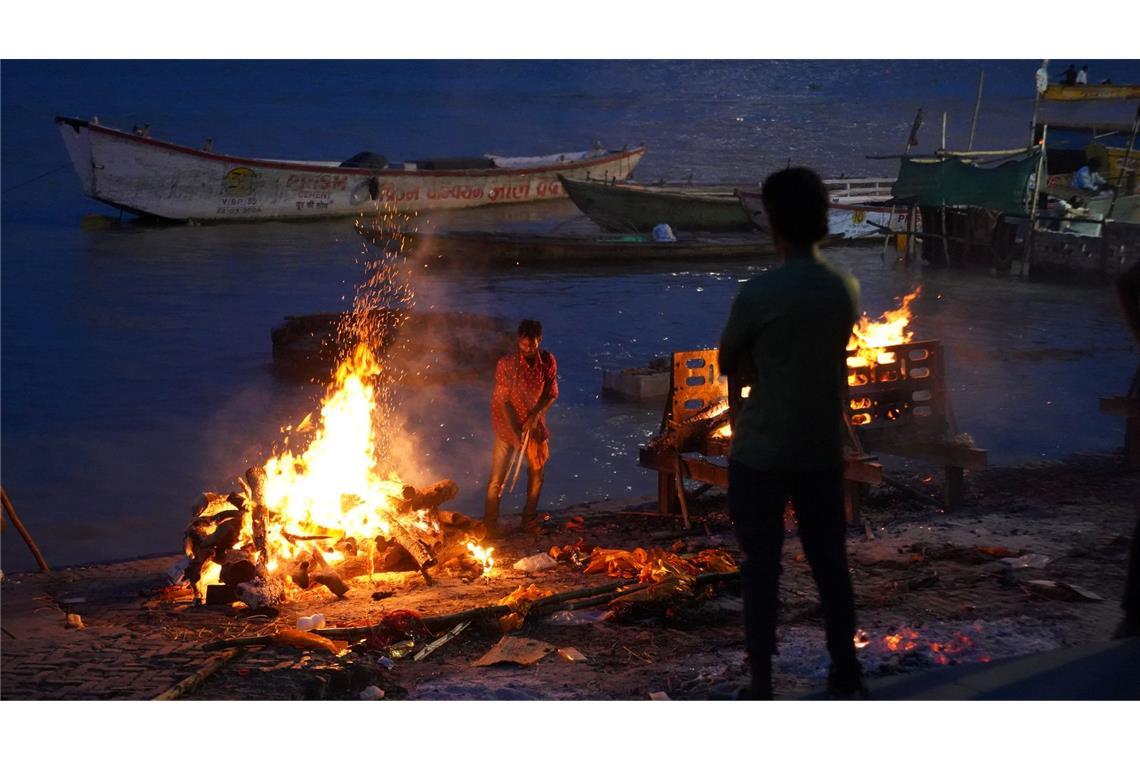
953, 182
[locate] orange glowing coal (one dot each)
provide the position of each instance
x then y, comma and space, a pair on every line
869, 337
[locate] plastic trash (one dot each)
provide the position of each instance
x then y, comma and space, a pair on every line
1036, 561
536, 562
176, 572
580, 617
372, 693
663, 233
310, 623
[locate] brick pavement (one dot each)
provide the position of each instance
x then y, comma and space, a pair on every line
126, 649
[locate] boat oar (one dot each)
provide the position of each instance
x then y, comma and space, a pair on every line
518, 464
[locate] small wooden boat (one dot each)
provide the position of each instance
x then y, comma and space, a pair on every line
135, 172
849, 217
1071, 92
418, 347
476, 248
628, 207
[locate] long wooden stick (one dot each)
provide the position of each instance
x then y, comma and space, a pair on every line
522, 455
977, 107
191, 682
24, 534
544, 606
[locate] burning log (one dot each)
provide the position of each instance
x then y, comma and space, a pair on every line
430, 497
416, 548
330, 580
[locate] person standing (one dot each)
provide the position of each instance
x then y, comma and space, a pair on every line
1128, 290
526, 385
1042, 77
1069, 75
787, 336
1083, 75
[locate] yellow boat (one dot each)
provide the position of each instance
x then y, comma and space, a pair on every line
1071, 92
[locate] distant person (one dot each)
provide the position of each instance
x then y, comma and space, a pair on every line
787, 334
1042, 77
526, 385
1088, 177
1128, 289
1069, 75
1083, 75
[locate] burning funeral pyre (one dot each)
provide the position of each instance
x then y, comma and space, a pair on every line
894, 383
335, 510
324, 515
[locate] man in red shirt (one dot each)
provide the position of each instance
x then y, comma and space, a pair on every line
526, 384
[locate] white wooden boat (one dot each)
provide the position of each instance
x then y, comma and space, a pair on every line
141, 174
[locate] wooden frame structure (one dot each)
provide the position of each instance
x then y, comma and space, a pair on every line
899, 407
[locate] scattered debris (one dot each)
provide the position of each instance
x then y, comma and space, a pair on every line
311, 622
570, 654
581, 617
659, 696
1035, 561
307, 640
1063, 591
427, 650
535, 562
372, 693
516, 650
74, 621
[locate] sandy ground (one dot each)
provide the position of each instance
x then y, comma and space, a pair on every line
934, 589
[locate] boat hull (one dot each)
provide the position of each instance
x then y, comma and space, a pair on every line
639, 208
469, 248
160, 179
1073, 92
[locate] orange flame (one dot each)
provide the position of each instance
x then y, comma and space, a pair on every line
482, 556
869, 336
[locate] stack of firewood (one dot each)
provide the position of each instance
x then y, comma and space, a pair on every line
214, 535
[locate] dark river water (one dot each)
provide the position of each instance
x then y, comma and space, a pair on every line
136, 360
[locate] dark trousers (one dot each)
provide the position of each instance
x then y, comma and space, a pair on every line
756, 501
501, 457
1131, 602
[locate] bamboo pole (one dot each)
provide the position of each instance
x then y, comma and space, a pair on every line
977, 107
942, 205
1026, 260
24, 534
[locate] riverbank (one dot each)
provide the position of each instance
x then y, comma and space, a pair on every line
1035, 563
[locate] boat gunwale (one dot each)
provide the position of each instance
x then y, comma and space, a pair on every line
350, 170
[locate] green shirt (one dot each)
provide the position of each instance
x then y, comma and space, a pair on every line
787, 337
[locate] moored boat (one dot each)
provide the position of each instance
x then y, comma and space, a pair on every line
1071, 92
141, 174
860, 206
628, 207
478, 248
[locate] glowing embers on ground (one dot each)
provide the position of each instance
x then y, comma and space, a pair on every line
954, 646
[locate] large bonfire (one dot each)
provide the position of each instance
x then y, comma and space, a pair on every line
329, 508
